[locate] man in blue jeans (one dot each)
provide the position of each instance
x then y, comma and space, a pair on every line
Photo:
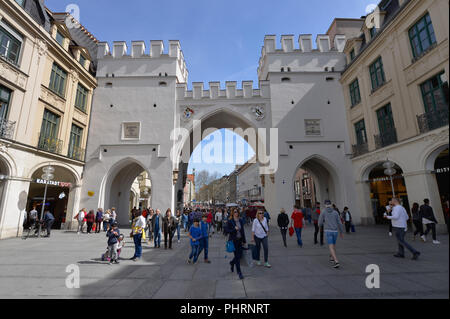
157, 227
297, 219
204, 239
398, 219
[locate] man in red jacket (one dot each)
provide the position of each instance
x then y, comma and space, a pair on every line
297, 219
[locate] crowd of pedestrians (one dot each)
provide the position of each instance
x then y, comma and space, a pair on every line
152, 227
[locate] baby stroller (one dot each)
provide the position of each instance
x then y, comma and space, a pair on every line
120, 245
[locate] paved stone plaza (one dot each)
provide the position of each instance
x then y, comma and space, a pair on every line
35, 268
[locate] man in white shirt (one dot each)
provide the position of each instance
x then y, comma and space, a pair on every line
113, 215
398, 219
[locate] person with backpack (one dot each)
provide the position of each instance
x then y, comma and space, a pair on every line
283, 223
331, 222
428, 219
260, 234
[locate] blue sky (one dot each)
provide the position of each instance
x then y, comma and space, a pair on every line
221, 39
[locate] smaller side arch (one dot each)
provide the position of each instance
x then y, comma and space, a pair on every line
430, 157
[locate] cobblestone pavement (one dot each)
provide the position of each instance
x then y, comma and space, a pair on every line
37, 268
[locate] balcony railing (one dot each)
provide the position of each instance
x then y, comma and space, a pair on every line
7, 129
432, 120
386, 138
76, 153
360, 149
50, 144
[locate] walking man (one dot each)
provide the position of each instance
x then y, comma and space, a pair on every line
157, 224
283, 223
315, 218
204, 240
428, 219
331, 221
347, 219
297, 219
49, 219
398, 218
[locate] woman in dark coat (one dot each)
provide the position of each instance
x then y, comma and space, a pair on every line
90, 220
236, 232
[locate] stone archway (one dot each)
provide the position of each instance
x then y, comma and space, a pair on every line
4, 173
325, 178
210, 123
117, 188
62, 193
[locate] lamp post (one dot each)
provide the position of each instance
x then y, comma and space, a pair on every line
47, 176
390, 171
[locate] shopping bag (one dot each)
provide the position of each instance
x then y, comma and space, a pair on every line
230, 246
291, 231
94, 227
353, 228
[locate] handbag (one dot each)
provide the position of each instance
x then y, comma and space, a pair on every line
291, 231
230, 246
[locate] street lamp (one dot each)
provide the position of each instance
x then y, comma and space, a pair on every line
390, 171
47, 176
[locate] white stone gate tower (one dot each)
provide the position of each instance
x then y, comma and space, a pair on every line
141, 98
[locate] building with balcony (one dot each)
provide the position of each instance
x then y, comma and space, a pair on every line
47, 78
396, 90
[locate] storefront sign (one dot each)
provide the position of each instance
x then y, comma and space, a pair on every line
442, 170
384, 179
53, 183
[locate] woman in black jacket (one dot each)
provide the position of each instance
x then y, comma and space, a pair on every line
235, 229
283, 223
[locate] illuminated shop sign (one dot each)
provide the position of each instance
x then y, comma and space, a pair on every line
442, 170
53, 183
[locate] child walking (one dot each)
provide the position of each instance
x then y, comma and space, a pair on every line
195, 233
113, 235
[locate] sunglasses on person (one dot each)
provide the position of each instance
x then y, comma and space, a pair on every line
260, 213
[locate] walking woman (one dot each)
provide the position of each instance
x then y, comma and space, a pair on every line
260, 233
283, 223
90, 220
106, 218
235, 229
417, 220
168, 228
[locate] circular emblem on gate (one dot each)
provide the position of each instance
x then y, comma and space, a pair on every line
188, 113
259, 112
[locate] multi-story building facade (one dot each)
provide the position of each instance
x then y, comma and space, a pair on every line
396, 91
305, 190
46, 83
249, 183
189, 190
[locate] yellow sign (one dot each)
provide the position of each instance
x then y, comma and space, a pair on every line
90, 193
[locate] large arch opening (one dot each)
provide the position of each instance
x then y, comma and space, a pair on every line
438, 162
4, 172
381, 190
227, 142
60, 197
127, 186
315, 180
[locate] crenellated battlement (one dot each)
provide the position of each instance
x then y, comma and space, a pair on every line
155, 54
215, 92
120, 59
304, 44
289, 53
